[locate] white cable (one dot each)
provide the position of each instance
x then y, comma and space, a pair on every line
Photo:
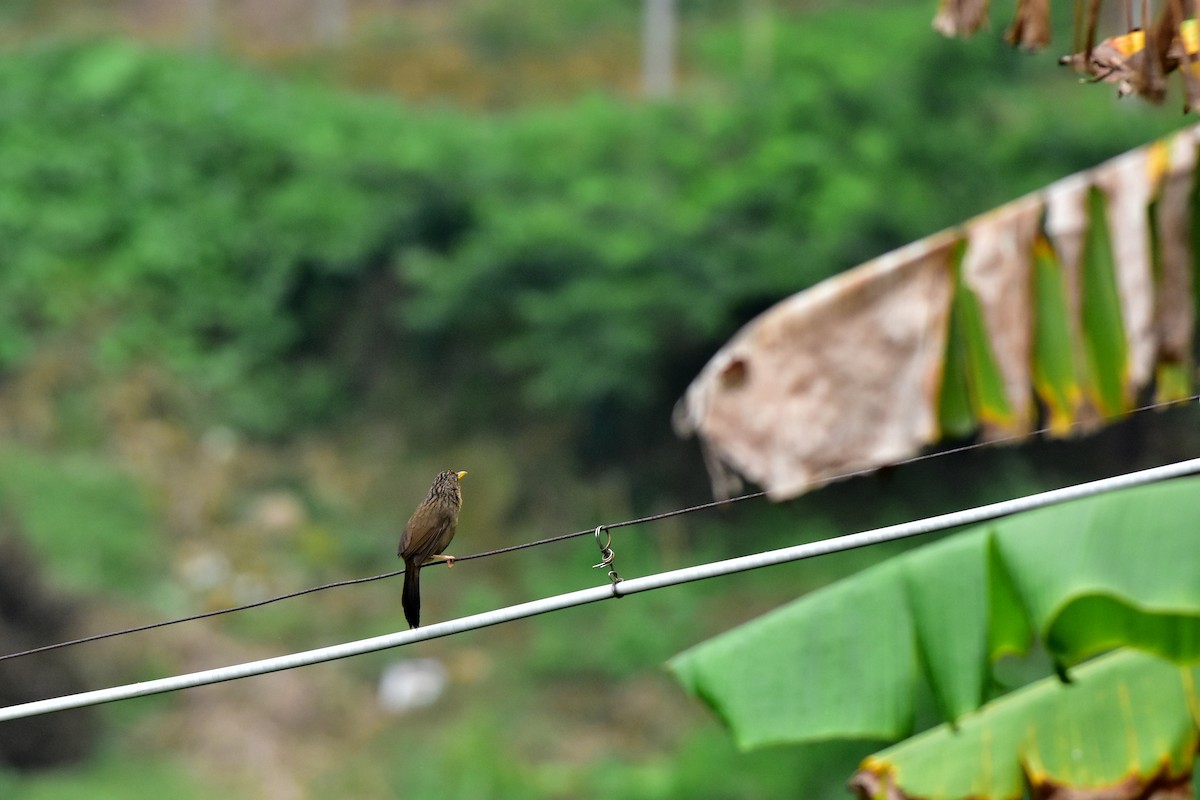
583, 596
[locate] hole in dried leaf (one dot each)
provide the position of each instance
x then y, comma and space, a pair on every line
734, 374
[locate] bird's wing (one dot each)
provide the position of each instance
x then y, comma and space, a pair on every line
434, 528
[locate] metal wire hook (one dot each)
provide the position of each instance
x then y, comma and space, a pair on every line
606, 557
606, 548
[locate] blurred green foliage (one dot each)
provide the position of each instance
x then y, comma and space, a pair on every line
285, 249
553, 276
89, 521
127, 778
698, 768
195, 214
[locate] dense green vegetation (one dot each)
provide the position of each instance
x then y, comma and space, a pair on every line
280, 246
260, 285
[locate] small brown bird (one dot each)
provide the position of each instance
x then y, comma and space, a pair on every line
426, 536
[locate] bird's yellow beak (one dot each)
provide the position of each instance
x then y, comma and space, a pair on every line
462, 475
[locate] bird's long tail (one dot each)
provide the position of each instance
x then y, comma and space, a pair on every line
410, 596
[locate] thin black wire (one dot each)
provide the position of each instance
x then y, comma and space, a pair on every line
201, 615
575, 534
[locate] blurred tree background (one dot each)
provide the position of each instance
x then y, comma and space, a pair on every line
266, 267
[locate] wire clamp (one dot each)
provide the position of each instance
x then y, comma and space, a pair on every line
606, 557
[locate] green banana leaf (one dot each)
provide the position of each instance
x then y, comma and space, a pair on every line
1119, 569
985, 383
1055, 376
763, 698
955, 415
1104, 331
1126, 719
